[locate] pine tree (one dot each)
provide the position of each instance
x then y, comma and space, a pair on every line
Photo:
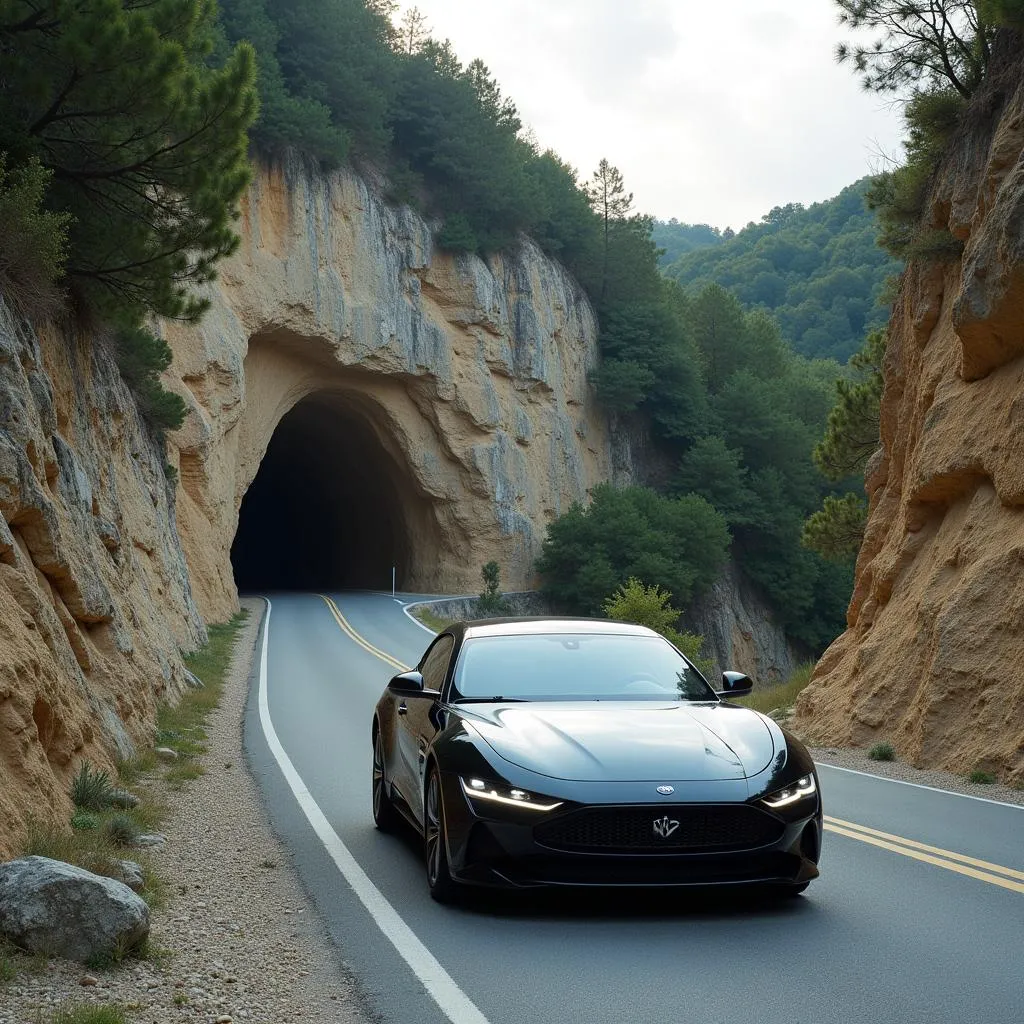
414, 31
145, 143
610, 200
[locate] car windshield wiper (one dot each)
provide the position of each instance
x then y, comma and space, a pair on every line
492, 700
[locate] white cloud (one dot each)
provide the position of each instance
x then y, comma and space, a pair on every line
714, 112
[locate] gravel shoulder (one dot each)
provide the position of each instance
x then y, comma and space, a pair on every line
239, 939
859, 761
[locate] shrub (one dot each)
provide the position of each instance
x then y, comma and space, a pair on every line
141, 358
490, 601
85, 821
981, 778
33, 242
648, 606
882, 752
91, 790
121, 830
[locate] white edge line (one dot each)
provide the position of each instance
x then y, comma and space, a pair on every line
412, 618
918, 785
452, 1001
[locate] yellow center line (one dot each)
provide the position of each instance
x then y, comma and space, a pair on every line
958, 862
949, 865
356, 638
947, 854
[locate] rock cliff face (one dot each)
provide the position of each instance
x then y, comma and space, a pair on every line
463, 380
931, 658
94, 592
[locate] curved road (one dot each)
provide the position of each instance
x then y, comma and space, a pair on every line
918, 915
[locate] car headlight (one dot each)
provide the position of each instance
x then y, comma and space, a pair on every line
799, 790
502, 793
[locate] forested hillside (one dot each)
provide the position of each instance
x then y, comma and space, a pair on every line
818, 270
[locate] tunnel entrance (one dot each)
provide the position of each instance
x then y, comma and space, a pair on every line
328, 508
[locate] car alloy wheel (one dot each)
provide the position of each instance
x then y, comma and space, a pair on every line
439, 879
384, 814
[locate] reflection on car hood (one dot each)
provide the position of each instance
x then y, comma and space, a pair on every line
605, 741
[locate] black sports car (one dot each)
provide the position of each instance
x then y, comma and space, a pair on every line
581, 752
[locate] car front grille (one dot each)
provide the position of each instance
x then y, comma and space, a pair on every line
657, 828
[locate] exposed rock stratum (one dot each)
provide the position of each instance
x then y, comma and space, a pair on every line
931, 659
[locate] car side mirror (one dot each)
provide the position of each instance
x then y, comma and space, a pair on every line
407, 683
735, 684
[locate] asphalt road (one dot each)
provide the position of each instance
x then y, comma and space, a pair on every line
891, 932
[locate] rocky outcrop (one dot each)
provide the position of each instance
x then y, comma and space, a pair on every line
467, 375
740, 632
95, 600
931, 658
49, 907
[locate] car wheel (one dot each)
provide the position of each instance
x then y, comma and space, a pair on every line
385, 817
439, 879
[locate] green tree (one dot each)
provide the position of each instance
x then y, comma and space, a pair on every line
611, 202
414, 31
852, 431
490, 601
836, 530
921, 43
649, 606
679, 544
145, 143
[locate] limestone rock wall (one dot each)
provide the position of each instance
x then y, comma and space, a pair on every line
472, 374
740, 633
931, 657
94, 592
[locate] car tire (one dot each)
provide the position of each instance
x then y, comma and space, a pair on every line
439, 880
385, 817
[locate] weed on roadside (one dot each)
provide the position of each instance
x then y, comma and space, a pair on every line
121, 830
91, 789
430, 620
783, 696
85, 821
882, 752
8, 964
185, 771
981, 778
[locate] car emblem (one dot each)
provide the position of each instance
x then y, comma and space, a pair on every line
664, 827
666, 790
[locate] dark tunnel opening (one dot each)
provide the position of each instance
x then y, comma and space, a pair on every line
325, 510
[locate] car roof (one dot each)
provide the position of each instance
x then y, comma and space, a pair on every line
539, 625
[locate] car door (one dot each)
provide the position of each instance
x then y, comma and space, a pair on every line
417, 722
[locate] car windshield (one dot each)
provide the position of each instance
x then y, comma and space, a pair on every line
576, 666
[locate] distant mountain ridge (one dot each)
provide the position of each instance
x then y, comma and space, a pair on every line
817, 269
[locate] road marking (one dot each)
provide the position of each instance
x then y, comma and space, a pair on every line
361, 641
412, 618
963, 858
918, 785
443, 989
910, 848
958, 862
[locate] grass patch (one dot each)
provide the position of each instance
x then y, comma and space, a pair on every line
8, 964
91, 790
981, 778
430, 620
882, 752
135, 768
88, 1014
178, 774
783, 696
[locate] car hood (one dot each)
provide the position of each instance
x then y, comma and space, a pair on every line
608, 741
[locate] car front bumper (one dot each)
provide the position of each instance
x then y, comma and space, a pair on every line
504, 849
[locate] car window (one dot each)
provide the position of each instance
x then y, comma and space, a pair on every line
435, 664
577, 666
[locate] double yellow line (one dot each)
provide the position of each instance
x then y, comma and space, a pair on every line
983, 870
361, 641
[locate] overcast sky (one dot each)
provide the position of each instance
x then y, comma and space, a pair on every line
714, 110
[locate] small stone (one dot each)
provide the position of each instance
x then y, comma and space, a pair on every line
224, 1019
87, 980
166, 754
150, 839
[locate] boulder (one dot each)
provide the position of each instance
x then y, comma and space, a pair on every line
47, 906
